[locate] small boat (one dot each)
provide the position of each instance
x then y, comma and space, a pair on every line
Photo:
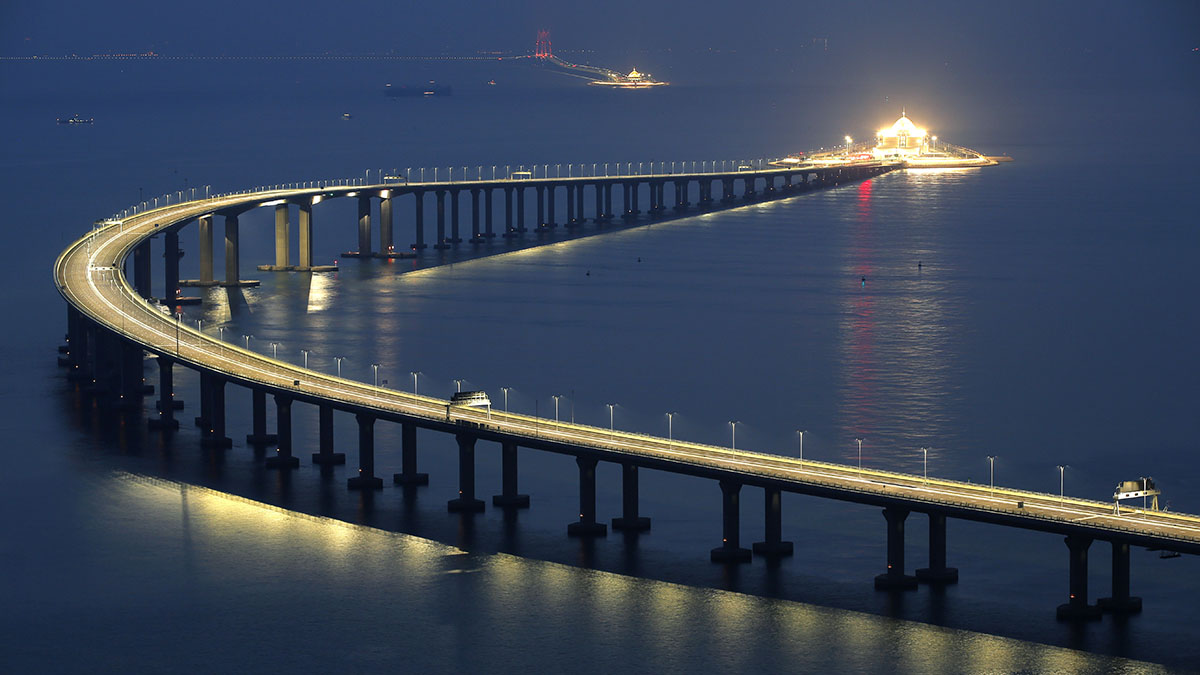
347, 116
491, 83
76, 119
424, 90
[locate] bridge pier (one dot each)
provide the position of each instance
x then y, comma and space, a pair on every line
541, 207
304, 210
730, 550
895, 579
599, 190
258, 426
283, 458
551, 207
232, 254
587, 525
283, 237
475, 237
441, 220
572, 221
509, 497
509, 231
773, 510
769, 189
141, 269
386, 244
748, 193
325, 455
727, 194
204, 226
166, 396
419, 218
364, 226
408, 458
608, 208
521, 209
634, 189
487, 194
579, 219
171, 254
630, 521
214, 435
1120, 602
937, 572
466, 501
131, 385
366, 478
1077, 606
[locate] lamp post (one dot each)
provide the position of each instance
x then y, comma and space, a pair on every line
859, 453
375, 371
305, 353
800, 432
247, 338
926, 463
991, 474
848, 142
274, 350
670, 430
505, 390
339, 364
458, 386
1062, 472
733, 438
178, 319
610, 419
556, 397
414, 373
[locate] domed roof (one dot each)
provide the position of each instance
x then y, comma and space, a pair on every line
634, 74
903, 127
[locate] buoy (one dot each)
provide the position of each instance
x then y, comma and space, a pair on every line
864, 282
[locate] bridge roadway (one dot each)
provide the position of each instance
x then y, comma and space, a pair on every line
89, 276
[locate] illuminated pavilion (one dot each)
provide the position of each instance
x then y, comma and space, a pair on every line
902, 141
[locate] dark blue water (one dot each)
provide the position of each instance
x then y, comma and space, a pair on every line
1051, 321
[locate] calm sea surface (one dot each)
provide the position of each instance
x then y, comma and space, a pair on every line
1042, 311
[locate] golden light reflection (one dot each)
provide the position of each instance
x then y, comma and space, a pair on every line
321, 292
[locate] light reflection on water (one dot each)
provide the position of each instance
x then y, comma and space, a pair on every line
374, 583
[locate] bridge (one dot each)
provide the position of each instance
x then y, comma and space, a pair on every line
112, 322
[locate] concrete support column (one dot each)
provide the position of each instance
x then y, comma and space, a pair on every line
466, 501
283, 236
630, 521
408, 458
551, 207
306, 236
571, 220
1120, 601
487, 213
171, 254
587, 525
509, 231
773, 543
541, 207
509, 497
1077, 606
258, 426
937, 572
769, 190
232, 252
895, 579
141, 269
521, 209
283, 458
132, 385
202, 420
608, 214
204, 225
748, 185
214, 435
579, 219
386, 243
599, 189
326, 456
441, 220
627, 196
454, 235
364, 226
165, 419
366, 479
730, 550
419, 218
635, 188
475, 216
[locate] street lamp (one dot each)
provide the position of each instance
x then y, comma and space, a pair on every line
859, 453
670, 430
556, 397
1062, 472
991, 474
178, 319
848, 142
339, 364
247, 338
305, 353
458, 385
375, 371
414, 374
610, 418
274, 350
733, 440
505, 390
800, 432
926, 462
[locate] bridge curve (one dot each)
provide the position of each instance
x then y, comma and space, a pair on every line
110, 321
